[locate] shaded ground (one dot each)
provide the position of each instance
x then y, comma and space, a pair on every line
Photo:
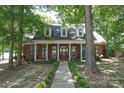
26, 76
112, 73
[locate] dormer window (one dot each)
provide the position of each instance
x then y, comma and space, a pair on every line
80, 32
64, 32
47, 32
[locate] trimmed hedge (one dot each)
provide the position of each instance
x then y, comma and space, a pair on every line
46, 79
80, 81
44, 62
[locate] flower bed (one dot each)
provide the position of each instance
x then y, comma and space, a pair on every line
80, 81
47, 80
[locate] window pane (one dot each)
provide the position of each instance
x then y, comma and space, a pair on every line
73, 52
47, 32
44, 52
80, 33
54, 52
63, 32
31, 50
83, 51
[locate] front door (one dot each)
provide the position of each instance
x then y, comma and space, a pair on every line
64, 53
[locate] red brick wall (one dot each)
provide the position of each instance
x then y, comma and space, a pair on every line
100, 48
26, 54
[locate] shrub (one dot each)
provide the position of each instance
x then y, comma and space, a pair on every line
79, 80
48, 77
50, 72
41, 85
83, 83
97, 58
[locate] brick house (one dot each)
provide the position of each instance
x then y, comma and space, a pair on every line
60, 42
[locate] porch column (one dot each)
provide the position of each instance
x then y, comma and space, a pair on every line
58, 52
35, 52
46, 52
81, 52
69, 51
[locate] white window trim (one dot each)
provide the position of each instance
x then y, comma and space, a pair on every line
52, 52
50, 31
62, 31
78, 30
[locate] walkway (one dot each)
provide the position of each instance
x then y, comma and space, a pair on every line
63, 78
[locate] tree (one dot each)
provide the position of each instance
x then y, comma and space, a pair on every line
70, 14
12, 21
90, 66
15, 23
21, 33
109, 21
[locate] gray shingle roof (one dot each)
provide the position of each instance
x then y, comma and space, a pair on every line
56, 34
71, 34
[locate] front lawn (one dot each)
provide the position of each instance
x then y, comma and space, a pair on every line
25, 76
111, 73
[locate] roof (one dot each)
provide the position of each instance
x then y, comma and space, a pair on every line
98, 37
28, 40
71, 34
56, 34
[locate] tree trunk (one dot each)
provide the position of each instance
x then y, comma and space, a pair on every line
90, 65
2, 52
19, 56
11, 39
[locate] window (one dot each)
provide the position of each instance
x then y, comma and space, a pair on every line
31, 52
54, 51
64, 32
83, 51
80, 32
47, 32
44, 52
73, 52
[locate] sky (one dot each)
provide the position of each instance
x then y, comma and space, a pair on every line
51, 14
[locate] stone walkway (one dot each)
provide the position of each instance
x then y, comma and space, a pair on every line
63, 78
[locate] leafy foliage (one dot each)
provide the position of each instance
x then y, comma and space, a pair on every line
15, 23
46, 79
109, 21
80, 81
69, 13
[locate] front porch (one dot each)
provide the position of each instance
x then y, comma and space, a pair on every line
60, 52
56, 51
